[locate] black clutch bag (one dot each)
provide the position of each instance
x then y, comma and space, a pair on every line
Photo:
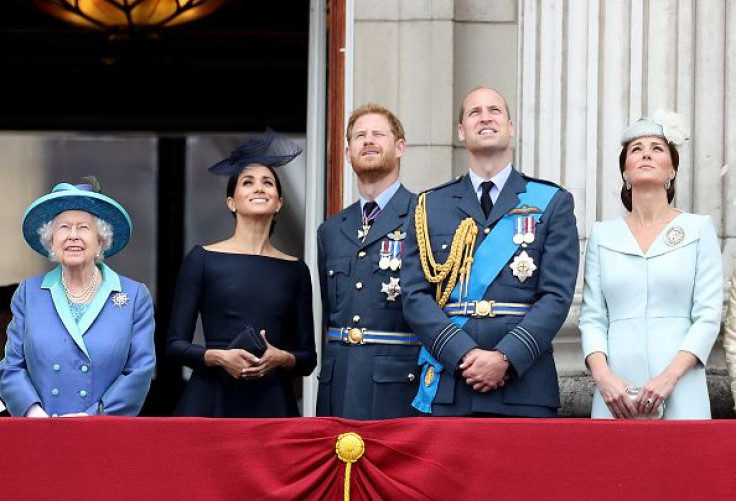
248, 339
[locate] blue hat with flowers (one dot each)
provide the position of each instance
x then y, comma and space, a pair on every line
270, 149
84, 197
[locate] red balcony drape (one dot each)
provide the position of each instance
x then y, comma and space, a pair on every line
179, 459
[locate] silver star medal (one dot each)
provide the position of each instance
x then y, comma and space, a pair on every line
523, 266
120, 299
392, 288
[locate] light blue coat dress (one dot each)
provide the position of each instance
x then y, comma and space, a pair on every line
641, 309
104, 362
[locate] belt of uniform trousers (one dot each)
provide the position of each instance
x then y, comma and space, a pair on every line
357, 335
486, 308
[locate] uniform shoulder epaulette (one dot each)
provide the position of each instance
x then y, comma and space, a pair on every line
543, 181
443, 185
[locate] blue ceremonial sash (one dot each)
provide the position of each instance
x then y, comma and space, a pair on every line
488, 261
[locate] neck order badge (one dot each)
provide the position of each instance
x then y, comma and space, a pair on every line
370, 212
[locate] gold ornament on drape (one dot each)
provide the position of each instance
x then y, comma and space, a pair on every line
349, 448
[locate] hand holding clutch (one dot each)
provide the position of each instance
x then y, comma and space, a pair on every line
248, 339
658, 413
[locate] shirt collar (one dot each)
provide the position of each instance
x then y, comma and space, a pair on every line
383, 199
499, 181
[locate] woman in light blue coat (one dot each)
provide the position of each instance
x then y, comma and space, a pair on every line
81, 339
653, 288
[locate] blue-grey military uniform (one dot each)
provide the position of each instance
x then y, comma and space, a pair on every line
532, 389
369, 358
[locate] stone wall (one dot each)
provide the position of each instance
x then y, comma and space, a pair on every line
577, 387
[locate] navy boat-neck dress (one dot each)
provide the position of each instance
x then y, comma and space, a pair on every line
230, 291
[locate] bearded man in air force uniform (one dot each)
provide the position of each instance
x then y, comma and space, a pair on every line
369, 364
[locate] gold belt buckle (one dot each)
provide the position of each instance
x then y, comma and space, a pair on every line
355, 336
484, 309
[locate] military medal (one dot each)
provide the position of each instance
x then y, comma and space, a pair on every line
674, 236
391, 289
395, 264
530, 225
384, 259
525, 227
518, 238
523, 266
396, 249
396, 246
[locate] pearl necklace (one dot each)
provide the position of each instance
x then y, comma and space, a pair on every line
86, 294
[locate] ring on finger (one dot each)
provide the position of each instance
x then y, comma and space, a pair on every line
649, 402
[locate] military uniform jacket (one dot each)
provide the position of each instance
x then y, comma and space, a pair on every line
532, 389
368, 381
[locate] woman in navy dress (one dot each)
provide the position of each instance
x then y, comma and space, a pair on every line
245, 283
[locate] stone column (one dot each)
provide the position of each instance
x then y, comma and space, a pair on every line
403, 59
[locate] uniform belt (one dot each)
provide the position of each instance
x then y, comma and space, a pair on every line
356, 335
485, 308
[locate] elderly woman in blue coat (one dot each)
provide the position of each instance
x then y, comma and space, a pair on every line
81, 338
653, 288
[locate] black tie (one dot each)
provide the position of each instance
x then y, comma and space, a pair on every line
485, 198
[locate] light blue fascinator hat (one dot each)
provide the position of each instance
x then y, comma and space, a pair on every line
86, 197
665, 124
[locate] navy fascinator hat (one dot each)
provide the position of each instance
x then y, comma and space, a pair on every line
270, 149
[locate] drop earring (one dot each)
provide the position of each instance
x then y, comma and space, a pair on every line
628, 183
668, 183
